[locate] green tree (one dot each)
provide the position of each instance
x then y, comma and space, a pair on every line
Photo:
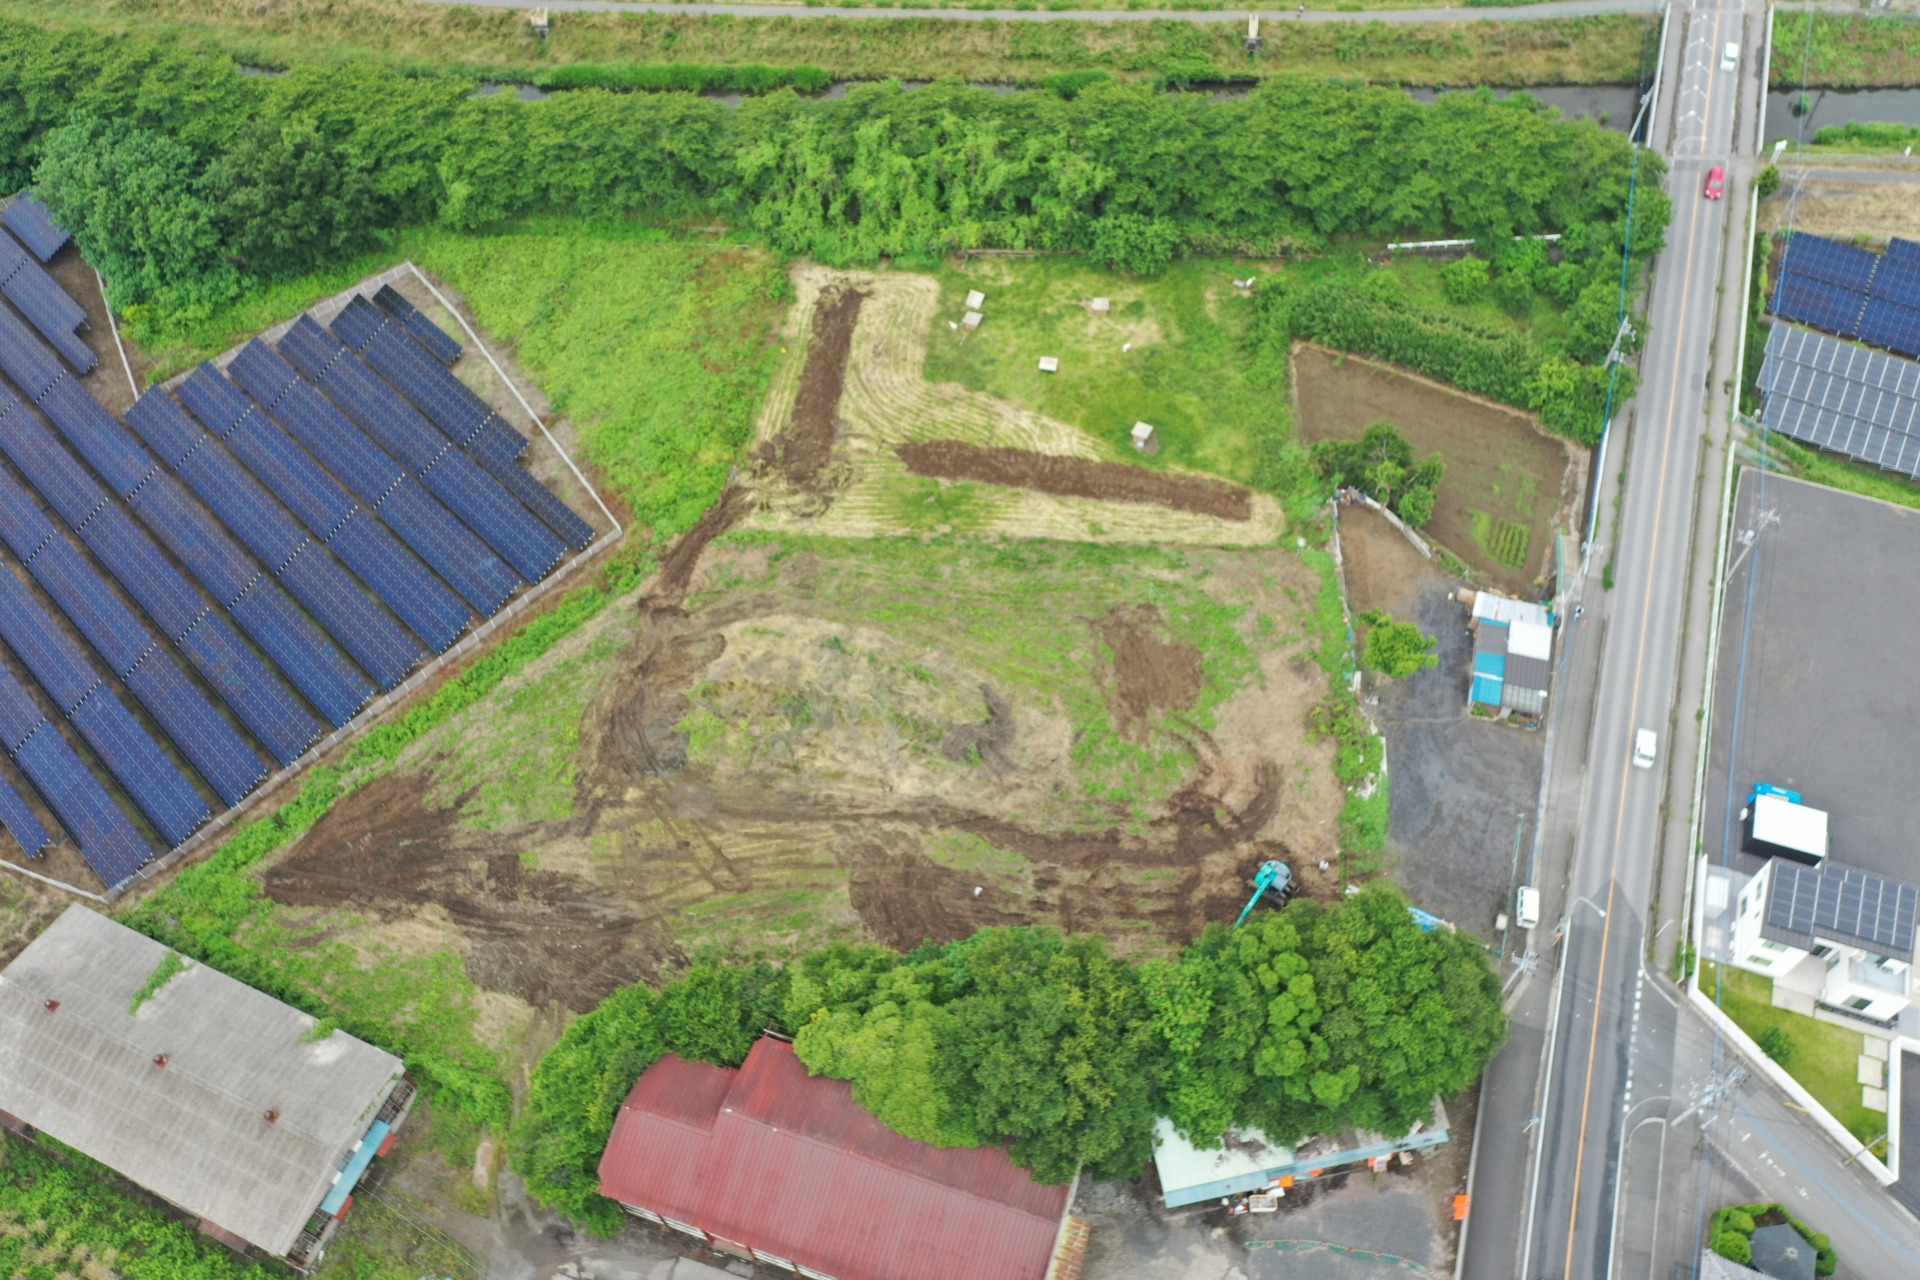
1396, 649
1380, 464
1139, 246
719, 1007
132, 200
1733, 1246
1767, 181
286, 198
1464, 281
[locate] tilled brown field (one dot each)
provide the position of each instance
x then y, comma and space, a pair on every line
1076, 477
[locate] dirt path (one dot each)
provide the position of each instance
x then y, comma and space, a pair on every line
1076, 478
803, 450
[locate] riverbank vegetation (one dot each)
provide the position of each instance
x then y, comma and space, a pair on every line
496, 44
1843, 51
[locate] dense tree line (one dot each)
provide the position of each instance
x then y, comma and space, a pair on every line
1308, 1020
187, 179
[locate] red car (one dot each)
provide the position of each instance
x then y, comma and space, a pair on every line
1716, 181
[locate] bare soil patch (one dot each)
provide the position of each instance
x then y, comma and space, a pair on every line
803, 450
108, 381
1508, 486
1076, 478
1150, 672
1383, 569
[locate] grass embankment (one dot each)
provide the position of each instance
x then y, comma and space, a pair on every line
1825, 1057
1837, 472
496, 43
1843, 51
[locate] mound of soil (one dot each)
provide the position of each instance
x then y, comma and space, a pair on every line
1150, 672
1076, 477
801, 453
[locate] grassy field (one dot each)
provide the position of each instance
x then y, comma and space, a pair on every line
658, 350
496, 43
1825, 1057
1842, 473
1844, 50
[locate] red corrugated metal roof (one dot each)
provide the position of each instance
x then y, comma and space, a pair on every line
791, 1165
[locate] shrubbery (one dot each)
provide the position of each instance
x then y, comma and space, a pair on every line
1730, 1234
1307, 1020
1380, 464
1396, 649
232, 161
682, 77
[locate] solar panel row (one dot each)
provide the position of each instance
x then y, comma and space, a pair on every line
14, 261
18, 819
153, 782
421, 600
26, 359
424, 331
27, 218
210, 553
1853, 292
1813, 302
314, 666
119, 458
1829, 261
45, 304
378, 643
108, 841
454, 552
1903, 250
509, 528
56, 662
1839, 900
204, 737
262, 703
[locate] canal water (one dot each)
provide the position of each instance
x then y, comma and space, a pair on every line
1837, 107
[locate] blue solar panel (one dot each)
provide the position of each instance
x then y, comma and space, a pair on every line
137, 564
168, 430
452, 550
1899, 250
19, 821
395, 574
540, 500
520, 537
243, 505
153, 782
57, 663
365, 469
424, 331
210, 553
24, 527
213, 746
316, 668
263, 704
497, 442
61, 480
20, 715
380, 645
27, 218
1822, 305
1829, 261
40, 301
1891, 325
452, 405
17, 268
122, 461
117, 635
108, 841
215, 401
421, 600
1898, 281
25, 358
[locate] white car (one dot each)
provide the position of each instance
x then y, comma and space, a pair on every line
1730, 56
1646, 744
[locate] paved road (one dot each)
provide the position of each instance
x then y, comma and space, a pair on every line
1558, 9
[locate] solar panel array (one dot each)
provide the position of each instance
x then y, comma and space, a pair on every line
464, 417
27, 218
515, 533
343, 521
1851, 291
1840, 902
1834, 395
44, 303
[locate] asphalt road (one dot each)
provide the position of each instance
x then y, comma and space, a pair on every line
1517, 13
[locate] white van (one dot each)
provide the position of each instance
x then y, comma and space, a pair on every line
1646, 743
1526, 907
1730, 56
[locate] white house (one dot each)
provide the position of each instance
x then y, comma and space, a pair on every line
1840, 936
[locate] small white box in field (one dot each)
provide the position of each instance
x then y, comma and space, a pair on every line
971, 321
976, 300
1103, 305
1049, 364
1142, 433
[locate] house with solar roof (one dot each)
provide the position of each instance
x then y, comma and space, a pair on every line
238, 1110
1835, 940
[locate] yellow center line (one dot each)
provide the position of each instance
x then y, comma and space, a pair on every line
1633, 703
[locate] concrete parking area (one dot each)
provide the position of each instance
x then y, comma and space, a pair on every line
1813, 688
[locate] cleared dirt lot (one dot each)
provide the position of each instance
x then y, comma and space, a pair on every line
1807, 693
1508, 486
1463, 789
